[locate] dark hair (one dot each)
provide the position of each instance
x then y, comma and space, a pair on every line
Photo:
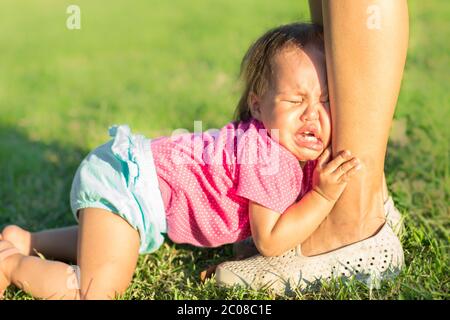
256, 66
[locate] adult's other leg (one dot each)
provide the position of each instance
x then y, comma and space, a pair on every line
365, 43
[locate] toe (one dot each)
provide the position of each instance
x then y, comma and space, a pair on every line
11, 231
4, 244
19, 237
6, 250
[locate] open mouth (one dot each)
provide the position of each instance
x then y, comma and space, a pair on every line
308, 137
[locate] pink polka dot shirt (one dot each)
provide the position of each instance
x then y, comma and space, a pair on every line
207, 179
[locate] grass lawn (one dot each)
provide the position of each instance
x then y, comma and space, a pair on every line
160, 65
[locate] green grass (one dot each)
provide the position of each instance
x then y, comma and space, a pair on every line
159, 66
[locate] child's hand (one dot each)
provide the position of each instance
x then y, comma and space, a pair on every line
330, 177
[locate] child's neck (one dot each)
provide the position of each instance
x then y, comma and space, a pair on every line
302, 164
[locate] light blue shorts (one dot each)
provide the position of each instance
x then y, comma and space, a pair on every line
120, 176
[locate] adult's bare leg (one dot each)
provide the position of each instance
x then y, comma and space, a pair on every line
365, 43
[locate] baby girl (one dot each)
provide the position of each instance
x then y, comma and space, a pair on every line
269, 174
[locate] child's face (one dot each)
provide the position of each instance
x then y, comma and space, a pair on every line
296, 102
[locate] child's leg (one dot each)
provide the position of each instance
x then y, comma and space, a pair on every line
55, 244
107, 254
40, 278
108, 249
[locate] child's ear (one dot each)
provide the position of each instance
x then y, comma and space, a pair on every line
254, 105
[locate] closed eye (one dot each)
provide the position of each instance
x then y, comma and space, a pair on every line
295, 101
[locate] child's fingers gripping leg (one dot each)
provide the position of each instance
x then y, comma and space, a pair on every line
348, 170
108, 249
335, 163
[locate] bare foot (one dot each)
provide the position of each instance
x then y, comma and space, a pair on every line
7, 250
19, 237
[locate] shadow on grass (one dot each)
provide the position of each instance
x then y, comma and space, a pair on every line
35, 181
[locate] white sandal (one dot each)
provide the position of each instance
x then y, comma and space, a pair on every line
371, 260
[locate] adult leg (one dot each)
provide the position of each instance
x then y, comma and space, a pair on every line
55, 244
365, 44
108, 249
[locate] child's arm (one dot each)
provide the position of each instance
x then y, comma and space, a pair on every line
274, 233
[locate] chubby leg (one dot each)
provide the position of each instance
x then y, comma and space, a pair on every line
365, 44
108, 249
40, 278
55, 244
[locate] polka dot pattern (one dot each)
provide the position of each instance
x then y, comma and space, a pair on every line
207, 179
